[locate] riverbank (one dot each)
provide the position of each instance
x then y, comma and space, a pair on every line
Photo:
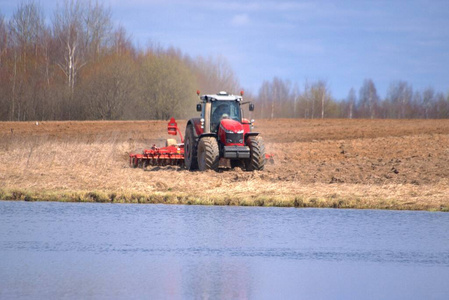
356, 198
379, 164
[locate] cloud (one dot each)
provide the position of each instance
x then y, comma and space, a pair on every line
240, 20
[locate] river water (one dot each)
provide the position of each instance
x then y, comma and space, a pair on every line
79, 250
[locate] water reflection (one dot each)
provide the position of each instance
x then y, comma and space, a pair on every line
103, 250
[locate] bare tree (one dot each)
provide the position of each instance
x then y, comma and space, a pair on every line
121, 43
351, 102
108, 87
3, 39
296, 95
98, 28
4, 71
276, 98
309, 105
215, 74
318, 94
68, 30
26, 28
323, 88
427, 99
264, 98
368, 99
400, 95
165, 83
440, 109
282, 98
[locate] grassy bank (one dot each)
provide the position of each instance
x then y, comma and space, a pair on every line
332, 201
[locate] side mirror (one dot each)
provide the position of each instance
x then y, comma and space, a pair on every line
251, 107
198, 107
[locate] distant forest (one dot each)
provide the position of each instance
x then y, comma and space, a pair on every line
83, 67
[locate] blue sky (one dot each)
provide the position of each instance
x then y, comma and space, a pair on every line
342, 42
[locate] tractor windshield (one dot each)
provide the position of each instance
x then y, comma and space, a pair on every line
224, 110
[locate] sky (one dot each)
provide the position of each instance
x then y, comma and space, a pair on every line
340, 42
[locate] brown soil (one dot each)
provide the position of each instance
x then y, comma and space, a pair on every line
339, 163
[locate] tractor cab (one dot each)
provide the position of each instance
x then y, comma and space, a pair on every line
215, 108
222, 110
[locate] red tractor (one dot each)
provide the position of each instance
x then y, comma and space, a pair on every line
222, 133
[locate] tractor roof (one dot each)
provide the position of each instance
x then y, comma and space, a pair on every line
223, 96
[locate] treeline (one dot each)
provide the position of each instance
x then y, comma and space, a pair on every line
280, 98
82, 66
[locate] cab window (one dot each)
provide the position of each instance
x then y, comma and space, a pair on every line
224, 110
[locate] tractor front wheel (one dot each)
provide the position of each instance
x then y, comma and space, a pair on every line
190, 150
208, 154
256, 161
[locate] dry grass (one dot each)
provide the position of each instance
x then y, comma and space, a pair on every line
319, 163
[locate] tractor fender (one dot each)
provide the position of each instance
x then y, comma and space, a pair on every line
196, 123
211, 134
251, 134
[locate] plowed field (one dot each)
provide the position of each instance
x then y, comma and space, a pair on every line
393, 164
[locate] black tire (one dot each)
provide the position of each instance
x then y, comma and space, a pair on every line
256, 161
190, 149
208, 154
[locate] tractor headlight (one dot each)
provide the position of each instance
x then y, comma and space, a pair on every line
230, 131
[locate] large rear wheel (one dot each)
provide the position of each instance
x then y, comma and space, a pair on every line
256, 161
208, 154
190, 149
